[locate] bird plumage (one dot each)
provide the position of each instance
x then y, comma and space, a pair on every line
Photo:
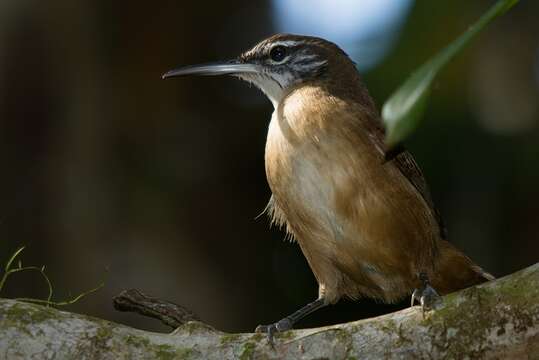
367, 225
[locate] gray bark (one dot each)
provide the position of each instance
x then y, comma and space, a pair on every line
496, 320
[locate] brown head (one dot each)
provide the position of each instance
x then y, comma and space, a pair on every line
283, 62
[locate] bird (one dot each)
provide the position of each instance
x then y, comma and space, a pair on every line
360, 211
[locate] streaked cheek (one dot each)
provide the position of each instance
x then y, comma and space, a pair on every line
284, 78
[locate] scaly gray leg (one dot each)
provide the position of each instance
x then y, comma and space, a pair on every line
288, 322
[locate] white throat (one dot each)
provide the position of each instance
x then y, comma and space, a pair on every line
274, 86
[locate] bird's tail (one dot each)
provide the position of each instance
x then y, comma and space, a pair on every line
455, 271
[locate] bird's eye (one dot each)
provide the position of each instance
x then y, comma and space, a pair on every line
278, 53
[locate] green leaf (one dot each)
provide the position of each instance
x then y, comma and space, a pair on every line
403, 110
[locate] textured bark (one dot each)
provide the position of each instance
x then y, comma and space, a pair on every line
499, 320
168, 313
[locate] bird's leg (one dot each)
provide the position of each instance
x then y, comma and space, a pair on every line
428, 297
288, 322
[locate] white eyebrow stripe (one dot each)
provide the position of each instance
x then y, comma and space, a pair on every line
285, 43
302, 57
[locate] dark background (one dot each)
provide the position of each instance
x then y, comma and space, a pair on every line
106, 166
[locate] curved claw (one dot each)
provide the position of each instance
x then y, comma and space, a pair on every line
428, 298
271, 329
415, 296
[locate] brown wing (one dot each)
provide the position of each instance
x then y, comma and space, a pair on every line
408, 167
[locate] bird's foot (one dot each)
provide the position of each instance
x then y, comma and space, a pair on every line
428, 298
270, 330
289, 321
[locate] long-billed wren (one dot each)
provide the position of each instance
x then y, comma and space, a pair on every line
366, 224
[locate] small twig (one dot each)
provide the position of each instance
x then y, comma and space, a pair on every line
168, 313
41, 270
8, 270
71, 301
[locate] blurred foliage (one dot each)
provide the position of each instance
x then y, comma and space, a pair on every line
402, 112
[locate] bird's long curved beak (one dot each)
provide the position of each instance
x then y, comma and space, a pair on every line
232, 67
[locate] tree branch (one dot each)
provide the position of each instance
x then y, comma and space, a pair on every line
499, 319
168, 313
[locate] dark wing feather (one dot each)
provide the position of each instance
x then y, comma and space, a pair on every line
405, 162
407, 165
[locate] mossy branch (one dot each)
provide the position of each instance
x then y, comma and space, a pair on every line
499, 319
